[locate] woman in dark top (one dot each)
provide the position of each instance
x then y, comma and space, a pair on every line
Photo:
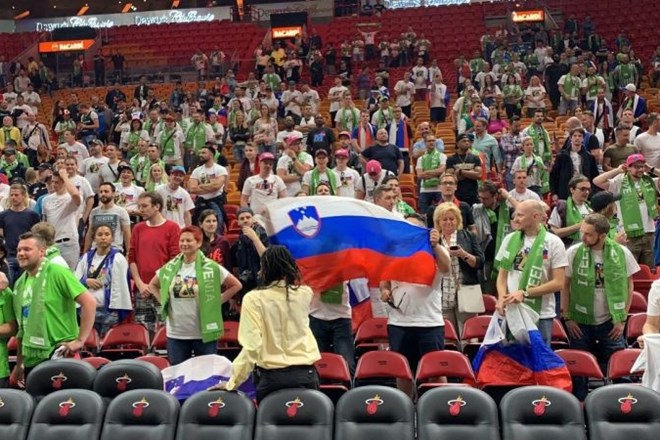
239, 134
249, 165
564, 169
467, 260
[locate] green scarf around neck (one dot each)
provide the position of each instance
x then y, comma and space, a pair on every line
167, 142
209, 300
316, 179
36, 340
630, 211
502, 218
532, 266
431, 161
382, 120
346, 114
196, 136
544, 177
536, 134
573, 217
52, 252
583, 283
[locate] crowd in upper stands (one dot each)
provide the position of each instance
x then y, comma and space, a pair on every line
127, 184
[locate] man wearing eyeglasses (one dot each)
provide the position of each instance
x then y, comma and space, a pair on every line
637, 183
566, 217
349, 179
266, 186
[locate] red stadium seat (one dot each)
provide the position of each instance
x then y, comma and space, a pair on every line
228, 345
159, 342
621, 362
634, 327
581, 363
451, 337
371, 335
334, 375
158, 361
559, 338
450, 364
382, 365
125, 341
490, 302
96, 362
474, 328
638, 304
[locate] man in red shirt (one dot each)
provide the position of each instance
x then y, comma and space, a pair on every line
154, 242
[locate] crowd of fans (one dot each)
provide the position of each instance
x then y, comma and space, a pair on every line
125, 203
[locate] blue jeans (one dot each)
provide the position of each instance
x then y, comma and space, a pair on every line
239, 152
545, 328
335, 336
104, 321
180, 350
427, 199
595, 340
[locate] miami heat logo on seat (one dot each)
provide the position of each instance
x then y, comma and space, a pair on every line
139, 407
2, 403
122, 382
626, 404
292, 406
58, 380
540, 405
373, 404
215, 406
66, 406
455, 405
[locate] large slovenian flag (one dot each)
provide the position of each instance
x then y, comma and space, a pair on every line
335, 239
524, 360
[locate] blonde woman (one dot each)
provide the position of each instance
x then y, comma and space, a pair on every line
264, 131
157, 176
467, 260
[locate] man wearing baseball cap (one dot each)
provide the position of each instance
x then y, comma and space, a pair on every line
632, 101
293, 164
177, 201
372, 179
320, 173
319, 137
604, 202
637, 185
349, 179
260, 189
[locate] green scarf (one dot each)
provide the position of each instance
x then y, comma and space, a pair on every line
583, 283
532, 264
195, 137
138, 164
150, 126
52, 252
536, 134
626, 74
316, 175
404, 208
344, 118
381, 120
630, 212
209, 300
502, 218
35, 340
431, 161
544, 178
573, 217
333, 295
512, 91
167, 142
133, 139
572, 85
614, 227
65, 125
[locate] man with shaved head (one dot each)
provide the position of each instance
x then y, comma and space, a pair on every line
531, 264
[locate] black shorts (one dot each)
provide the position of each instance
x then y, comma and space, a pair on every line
415, 342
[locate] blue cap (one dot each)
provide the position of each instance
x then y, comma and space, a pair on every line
178, 168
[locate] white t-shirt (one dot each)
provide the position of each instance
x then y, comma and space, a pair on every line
205, 174
307, 178
77, 150
282, 135
85, 190
554, 257
110, 172
535, 93
4, 196
119, 265
286, 163
418, 305
404, 93
61, 212
296, 97
555, 218
654, 299
183, 320
437, 93
312, 98
127, 196
337, 91
521, 197
649, 146
577, 163
261, 191
115, 217
601, 307
177, 203
615, 188
419, 167
349, 182
331, 311
91, 169
421, 74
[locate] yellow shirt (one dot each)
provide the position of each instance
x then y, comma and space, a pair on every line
274, 332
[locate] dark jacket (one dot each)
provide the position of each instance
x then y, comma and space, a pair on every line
470, 275
562, 172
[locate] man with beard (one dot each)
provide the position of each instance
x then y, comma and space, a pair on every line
112, 215
207, 182
320, 137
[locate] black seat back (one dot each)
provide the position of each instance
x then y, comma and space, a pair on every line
68, 415
295, 414
216, 414
124, 375
60, 374
16, 409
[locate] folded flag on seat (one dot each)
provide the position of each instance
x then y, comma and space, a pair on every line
523, 358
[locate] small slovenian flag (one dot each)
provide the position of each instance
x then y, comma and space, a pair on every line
335, 239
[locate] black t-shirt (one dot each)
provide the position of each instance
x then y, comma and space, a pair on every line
320, 139
467, 190
15, 223
387, 155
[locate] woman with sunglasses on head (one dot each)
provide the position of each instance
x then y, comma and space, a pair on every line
415, 324
274, 330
